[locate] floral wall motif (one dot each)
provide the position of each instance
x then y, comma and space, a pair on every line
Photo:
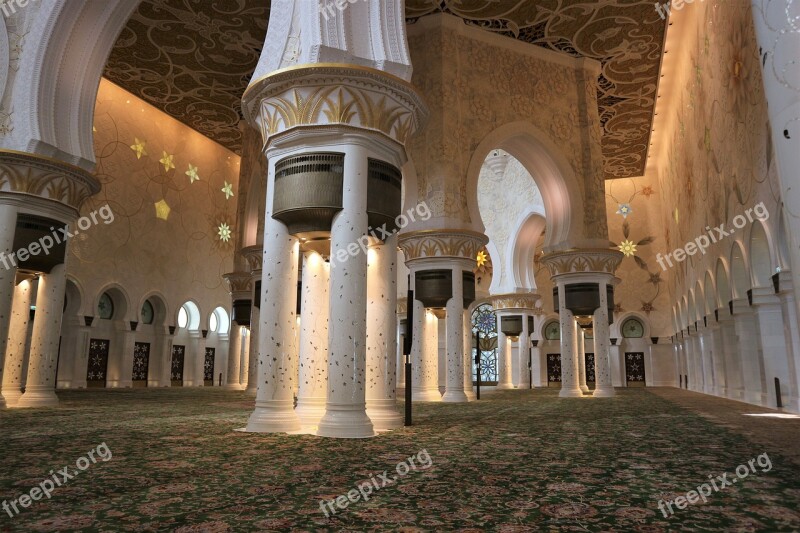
719, 161
172, 192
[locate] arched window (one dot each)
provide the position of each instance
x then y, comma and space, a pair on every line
219, 321
148, 313
632, 329
485, 322
552, 331
189, 316
105, 307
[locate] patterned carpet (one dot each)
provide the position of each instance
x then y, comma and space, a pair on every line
516, 461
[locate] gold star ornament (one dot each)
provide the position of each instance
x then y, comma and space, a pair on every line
162, 210
224, 232
228, 190
192, 173
139, 148
481, 259
167, 161
628, 248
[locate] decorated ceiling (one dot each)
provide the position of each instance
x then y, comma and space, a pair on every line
194, 59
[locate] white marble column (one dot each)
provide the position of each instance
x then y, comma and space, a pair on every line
17, 342
128, 339
155, 371
773, 344
251, 357
382, 336
454, 391
40, 384
425, 356
778, 34
582, 360
791, 329
602, 340
234, 358
8, 273
706, 348
503, 359
730, 353
524, 355
313, 362
469, 358
274, 412
401, 360
748, 337
718, 359
570, 384
345, 411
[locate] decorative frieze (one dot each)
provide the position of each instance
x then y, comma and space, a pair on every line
582, 261
254, 255
446, 243
327, 94
239, 284
47, 178
516, 301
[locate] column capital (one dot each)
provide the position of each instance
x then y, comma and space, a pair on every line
51, 179
580, 262
254, 255
439, 244
518, 302
239, 284
322, 95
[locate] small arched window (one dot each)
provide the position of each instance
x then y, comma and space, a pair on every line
632, 329
552, 331
189, 316
105, 307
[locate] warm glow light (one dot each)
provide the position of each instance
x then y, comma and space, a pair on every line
162, 210
773, 415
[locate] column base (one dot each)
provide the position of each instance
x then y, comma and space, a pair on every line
584, 389
455, 396
504, 386
251, 390
38, 397
11, 397
233, 386
471, 397
310, 411
604, 393
384, 415
346, 421
275, 416
427, 395
570, 393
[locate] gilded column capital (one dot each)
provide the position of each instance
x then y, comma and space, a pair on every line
442, 244
521, 302
254, 255
582, 261
239, 285
322, 95
51, 179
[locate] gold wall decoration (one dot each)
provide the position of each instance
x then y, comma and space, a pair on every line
523, 301
456, 244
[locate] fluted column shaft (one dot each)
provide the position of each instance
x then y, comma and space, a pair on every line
454, 390
234, 358
503, 360
570, 384
582, 360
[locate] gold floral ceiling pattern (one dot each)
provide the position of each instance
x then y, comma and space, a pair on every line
194, 60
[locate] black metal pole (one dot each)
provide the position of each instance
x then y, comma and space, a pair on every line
478, 362
408, 342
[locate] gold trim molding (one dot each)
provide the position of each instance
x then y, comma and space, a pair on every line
445, 243
522, 301
254, 255
26, 173
239, 284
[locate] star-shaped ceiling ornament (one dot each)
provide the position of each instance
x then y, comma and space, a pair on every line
224, 232
162, 210
481, 259
139, 148
192, 173
228, 190
624, 210
627, 247
167, 161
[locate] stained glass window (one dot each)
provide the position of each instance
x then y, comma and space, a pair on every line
485, 321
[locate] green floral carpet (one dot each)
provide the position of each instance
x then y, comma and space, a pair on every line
515, 461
